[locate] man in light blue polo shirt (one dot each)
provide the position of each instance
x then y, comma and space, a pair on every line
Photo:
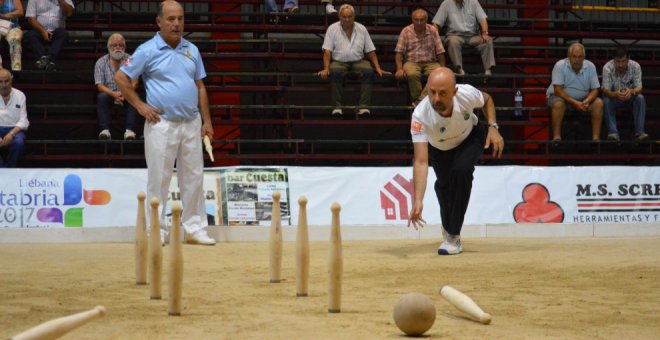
176, 117
575, 87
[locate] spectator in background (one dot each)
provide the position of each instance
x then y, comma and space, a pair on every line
422, 48
109, 96
13, 121
329, 7
466, 25
575, 87
622, 87
290, 6
47, 18
10, 11
344, 47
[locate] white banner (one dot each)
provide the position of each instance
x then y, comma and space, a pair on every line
367, 195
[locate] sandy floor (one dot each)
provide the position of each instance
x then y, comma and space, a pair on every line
534, 288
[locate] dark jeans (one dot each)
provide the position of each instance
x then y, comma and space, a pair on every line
41, 48
454, 171
10, 155
365, 73
104, 107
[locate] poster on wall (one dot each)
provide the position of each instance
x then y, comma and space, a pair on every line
247, 195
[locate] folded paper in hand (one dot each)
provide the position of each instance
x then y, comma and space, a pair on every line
5, 26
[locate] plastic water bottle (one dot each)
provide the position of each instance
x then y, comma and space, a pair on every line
518, 104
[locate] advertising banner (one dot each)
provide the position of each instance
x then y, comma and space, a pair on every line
368, 195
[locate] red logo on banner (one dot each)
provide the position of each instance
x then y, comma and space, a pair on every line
537, 207
389, 206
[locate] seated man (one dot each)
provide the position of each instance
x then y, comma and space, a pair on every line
345, 44
109, 96
622, 87
575, 87
423, 50
47, 18
464, 18
13, 121
12, 10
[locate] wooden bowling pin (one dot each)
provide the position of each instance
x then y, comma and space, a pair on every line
155, 253
302, 250
465, 304
275, 240
335, 262
208, 147
175, 274
141, 245
55, 328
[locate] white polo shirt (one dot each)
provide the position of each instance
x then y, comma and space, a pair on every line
14, 113
446, 133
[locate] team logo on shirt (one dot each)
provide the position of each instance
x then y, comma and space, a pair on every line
188, 54
443, 129
416, 126
466, 115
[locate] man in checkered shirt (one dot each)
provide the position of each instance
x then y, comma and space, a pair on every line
422, 48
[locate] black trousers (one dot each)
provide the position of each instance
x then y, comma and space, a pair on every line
42, 48
454, 171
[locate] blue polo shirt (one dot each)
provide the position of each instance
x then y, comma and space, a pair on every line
576, 85
169, 76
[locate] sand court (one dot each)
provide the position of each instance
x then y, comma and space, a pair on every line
578, 288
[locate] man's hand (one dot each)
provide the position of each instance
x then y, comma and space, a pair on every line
624, 94
119, 99
207, 130
6, 141
400, 74
415, 219
382, 73
485, 37
493, 137
324, 73
47, 36
150, 114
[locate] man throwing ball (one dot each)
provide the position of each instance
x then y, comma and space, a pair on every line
444, 129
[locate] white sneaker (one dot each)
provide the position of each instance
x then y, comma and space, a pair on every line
460, 72
451, 245
200, 237
105, 134
330, 9
129, 135
337, 112
445, 234
363, 112
488, 73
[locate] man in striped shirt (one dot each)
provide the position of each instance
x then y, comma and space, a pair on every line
47, 19
344, 47
622, 87
421, 45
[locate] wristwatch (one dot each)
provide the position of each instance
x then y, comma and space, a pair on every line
494, 125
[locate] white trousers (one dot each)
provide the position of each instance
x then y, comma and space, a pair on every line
167, 143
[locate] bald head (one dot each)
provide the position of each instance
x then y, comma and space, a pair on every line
167, 3
442, 88
5, 82
442, 75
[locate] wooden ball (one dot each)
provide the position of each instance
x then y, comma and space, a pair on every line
414, 313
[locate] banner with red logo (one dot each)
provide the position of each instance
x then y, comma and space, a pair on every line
507, 194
